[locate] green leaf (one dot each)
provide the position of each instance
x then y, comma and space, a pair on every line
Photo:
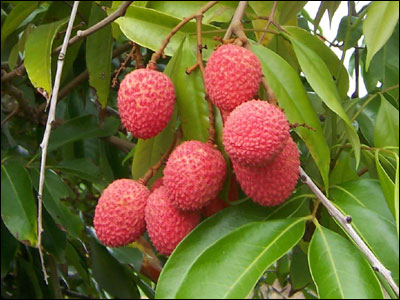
148, 152
320, 79
333, 63
54, 240
339, 270
18, 14
343, 170
396, 195
290, 93
331, 6
386, 131
209, 232
192, 106
231, 267
53, 192
82, 127
221, 12
354, 35
110, 274
386, 184
18, 206
148, 28
391, 63
364, 201
128, 255
382, 17
38, 48
300, 275
13, 57
82, 167
98, 55
367, 118
9, 247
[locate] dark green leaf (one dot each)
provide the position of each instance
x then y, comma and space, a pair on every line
38, 49
15, 18
110, 274
18, 206
82, 167
343, 170
54, 191
231, 267
339, 270
291, 96
9, 246
299, 272
382, 17
98, 55
386, 131
54, 240
128, 255
386, 184
367, 118
82, 127
354, 35
320, 79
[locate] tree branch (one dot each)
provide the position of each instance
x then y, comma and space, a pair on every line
46, 136
345, 222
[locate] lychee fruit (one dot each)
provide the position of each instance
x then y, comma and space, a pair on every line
156, 184
167, 225
213, 207
273, 184
254, 133
194, 174
232, 76
146, 102
119, 215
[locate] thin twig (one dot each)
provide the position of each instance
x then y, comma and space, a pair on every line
46, 136
122, 67
237, 17
345, 222
153, 62
270, 19
13, 112
151, 171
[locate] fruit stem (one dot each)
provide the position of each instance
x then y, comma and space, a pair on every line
153, 170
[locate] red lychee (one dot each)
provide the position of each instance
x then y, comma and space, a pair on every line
273, 184
254, 133
146, 102
194, 175
156, 184
119, 215
167, 225
213, 207
232, 76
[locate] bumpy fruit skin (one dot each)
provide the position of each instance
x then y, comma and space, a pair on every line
213, 207
166, 225
254, 133
146, 102
194, 175
232, 76
274, 183
156, 184
119, 215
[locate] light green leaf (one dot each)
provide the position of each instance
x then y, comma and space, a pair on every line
364, 201
382, 17
320, 79
213, 229
339, 270
290, 93
331, 60
38, 49
18, 206
13, 57
18, 14
386, 131
98, 55
148, 28
231, 267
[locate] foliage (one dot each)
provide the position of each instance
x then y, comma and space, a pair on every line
245, 250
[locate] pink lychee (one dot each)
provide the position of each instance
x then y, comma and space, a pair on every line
146, 102
194, 175
119, 214
254, 133
213, 207
167, 225
273, 184
232, 76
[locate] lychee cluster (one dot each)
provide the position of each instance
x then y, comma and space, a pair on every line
146, 102
264, 156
